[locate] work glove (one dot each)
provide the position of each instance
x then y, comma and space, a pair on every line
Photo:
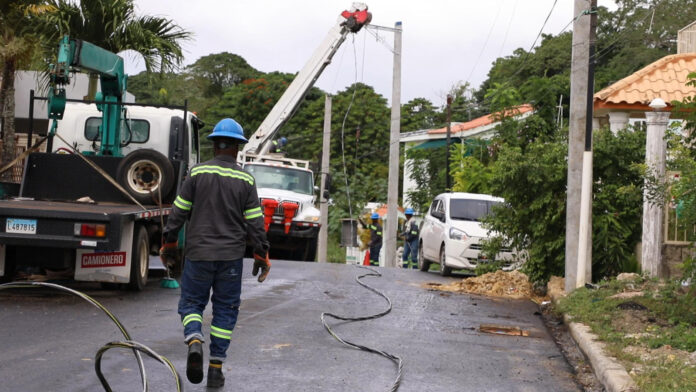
261, 262
169, 253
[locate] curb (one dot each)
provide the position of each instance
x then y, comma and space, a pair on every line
610, 373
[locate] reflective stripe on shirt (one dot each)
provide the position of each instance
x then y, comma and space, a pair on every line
252, 213
183, 203
223, 171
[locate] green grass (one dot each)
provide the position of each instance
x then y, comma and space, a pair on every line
667, 375
670, 320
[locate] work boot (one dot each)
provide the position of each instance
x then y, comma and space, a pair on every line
215, 377
194, 361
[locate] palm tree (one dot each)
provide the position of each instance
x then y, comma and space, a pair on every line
17, 44
114, 26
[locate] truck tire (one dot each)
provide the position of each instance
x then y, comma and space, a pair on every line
140, 260
310, 250
144, 171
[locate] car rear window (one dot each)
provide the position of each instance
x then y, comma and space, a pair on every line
471, 210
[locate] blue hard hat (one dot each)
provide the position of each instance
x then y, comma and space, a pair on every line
374, 215
227, 127
283, 141
409, 211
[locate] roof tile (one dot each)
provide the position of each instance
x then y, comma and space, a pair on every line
665, 78
481, 121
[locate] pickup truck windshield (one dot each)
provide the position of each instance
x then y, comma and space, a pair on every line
470, 210
294, 180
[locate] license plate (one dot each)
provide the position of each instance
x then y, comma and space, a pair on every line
20, 226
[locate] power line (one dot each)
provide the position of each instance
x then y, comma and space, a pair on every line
512, 14
485, 43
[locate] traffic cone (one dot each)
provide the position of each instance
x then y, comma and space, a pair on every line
366, 261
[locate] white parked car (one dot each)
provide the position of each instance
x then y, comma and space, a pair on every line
452, 232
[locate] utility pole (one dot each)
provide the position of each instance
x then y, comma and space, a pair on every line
580, 110
393, 181
323, 193
447, 154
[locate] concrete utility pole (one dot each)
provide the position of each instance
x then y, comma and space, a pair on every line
655, 151
579, 78
323, 198
584, 273
449, 132
393, 184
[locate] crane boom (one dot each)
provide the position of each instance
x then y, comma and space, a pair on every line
77, 55
350, 21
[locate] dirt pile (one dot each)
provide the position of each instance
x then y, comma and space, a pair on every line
512, 284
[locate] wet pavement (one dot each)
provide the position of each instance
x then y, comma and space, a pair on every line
48, 339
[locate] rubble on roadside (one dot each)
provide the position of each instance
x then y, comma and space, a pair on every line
505, 284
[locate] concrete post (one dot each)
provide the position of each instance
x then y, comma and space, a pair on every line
618, 121
389, 231
323, 201
655, 151
579, 74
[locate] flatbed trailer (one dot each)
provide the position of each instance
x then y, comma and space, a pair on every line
104, 238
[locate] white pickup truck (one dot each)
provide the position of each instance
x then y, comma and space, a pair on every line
106, 236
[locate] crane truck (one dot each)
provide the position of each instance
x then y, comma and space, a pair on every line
93, 206
286, 186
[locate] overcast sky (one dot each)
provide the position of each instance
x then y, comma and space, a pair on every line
444, 41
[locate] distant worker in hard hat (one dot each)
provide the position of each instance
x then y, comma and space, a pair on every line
220, 206
375, 239
277, 145
410, 233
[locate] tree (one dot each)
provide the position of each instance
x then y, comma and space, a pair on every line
16, 49
114, 26
221, 71
417, 114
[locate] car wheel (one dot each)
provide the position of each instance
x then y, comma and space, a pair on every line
423, 264
444, 269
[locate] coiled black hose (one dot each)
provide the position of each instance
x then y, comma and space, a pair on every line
394, 358
129, 343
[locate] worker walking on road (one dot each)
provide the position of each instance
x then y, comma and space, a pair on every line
410, 233
220, 202
375, 239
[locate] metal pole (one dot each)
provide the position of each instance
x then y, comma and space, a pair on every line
579, 73
447, 154
31, 118
393, 181
324, 201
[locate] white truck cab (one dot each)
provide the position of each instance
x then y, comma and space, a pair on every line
293, 225
145, 127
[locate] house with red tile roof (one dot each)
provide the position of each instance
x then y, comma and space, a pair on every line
629, 97
479, 128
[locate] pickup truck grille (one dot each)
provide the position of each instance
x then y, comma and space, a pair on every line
280, 211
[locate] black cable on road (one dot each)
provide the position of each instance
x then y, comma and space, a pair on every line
394, 358
129, 343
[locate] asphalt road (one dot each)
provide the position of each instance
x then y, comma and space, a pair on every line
48, 339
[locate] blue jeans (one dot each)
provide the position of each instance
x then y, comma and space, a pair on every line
225, 278
410, 248
374, 254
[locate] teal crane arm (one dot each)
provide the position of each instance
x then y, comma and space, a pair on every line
81, 56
